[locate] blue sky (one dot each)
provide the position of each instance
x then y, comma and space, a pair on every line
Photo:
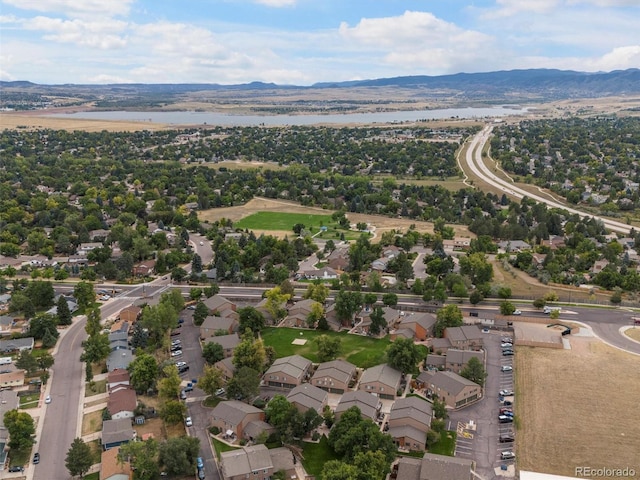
301, 42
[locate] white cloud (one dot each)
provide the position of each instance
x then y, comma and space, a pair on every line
620, 58
75, 8
94, 34
105, 78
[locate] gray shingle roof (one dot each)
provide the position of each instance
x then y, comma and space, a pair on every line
383, 374
412, 407
367, 403
339, 370
233, 411
119, 430
245, 461
225, 341
451, 382
308, 396
294, 366
442, 467
408, 431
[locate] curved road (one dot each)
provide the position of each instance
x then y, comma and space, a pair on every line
474, 163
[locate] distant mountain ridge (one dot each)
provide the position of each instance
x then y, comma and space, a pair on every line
502, 85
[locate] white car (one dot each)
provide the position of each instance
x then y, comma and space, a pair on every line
506, 345
177, 353
508, 455
506, 368
506, 393
48, 399
517, 312
188, 422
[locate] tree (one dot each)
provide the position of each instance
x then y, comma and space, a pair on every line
347, 304
370, 298
249, 353
315, 315
169, 385
96, 348
328, 347
504, 292
173, 411
20, 427
196, 263
84, 293
337, 470
244, 384
79, 458
378, 322
144, 373
440, 409
403, 355
178, 455
26, 361
475, 297
62, 312
178, 274
93, 325
507, 308
275, 301
317, 291
449, 316
212, 352
45, 361
474, 371
251, 319
143, 459
476, 266
42, 324
390, 299
200, 313
211, 380
139, 337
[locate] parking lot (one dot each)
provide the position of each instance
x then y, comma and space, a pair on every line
478, 426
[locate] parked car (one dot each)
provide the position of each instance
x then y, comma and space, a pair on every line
48, 399
505, 419
199, 462
506, 393
506, 368
191, 307
507, 403
220, 392
508, 455
507, 353
36, 458
506, 438
188, 422
485, 330
183, 395
504, 411
176, 353
16, 468
506, 340
201, 473
506, 345
188, 388
183, 368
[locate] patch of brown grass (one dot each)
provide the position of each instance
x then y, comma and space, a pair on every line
91, 422
633, 333
14, 121
570, 408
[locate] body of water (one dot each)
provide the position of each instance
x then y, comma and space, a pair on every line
215, 118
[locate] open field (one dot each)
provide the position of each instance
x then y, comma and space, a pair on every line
283, 221
576, 408
32, 121
259, 204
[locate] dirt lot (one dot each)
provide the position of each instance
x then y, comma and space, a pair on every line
259, 204
575, 408
31, 122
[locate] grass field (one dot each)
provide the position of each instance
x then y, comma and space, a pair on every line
576, 408
220, 447
363, 352
29, 401
95, 388
446, 445
633, 333
316, 455
92, 422
284, 221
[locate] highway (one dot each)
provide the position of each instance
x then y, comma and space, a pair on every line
474, 163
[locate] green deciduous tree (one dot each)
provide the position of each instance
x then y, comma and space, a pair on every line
347, 304
249, 353
144, 373
173, 411
317, 291
251, 319
507, 308
212, 352
378, 322
96, 348
244, 384
79, 458
84, 293
403, 355
200, 313
178, 455
211, 380
169, 385
474, 371
448, 316
143, 457
328, 347
62, 312
21, 428
26, 361
42, 324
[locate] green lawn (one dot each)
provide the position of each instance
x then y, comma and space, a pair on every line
94, 388
316, 455
29, 401
221, 447
446, 445
92, 476
283, 221
363, 352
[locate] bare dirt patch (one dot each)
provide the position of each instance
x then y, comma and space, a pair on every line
570, 408
37, 120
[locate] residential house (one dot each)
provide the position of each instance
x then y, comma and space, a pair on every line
369, 405
213, 324
16, 345
433, 467
218, 303
112, 469
122, 402
466, 337
283, 460
456, 359
457, 244
269, 319
144, 269
121, 355
232, 417
11, 378
513, 246
227, 342
335, 376
287, 372
130, 314
380, 264
409, 422
307, 396
226, 367
85, 248
248, 462
338, 259
454, 390
6, 325
117, 431
298, 313
439, 345
116, 377
420, 324
598, 266
8, 401
98, 235
325, 273
381, 380
554, 242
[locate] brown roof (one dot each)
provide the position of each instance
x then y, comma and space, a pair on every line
118, 375
110, 466
123, 400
